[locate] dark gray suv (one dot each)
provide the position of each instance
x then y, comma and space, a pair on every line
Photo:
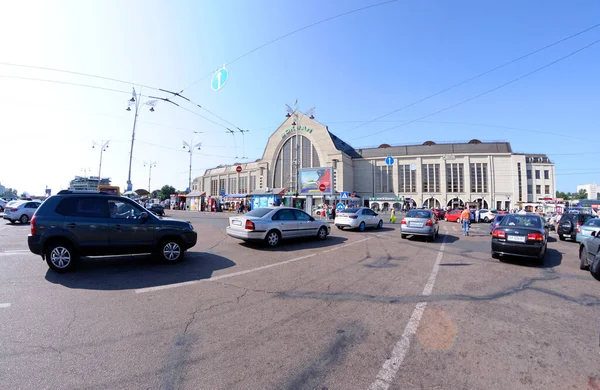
87, 223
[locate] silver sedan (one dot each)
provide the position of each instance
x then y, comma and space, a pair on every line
419, 223
272, 224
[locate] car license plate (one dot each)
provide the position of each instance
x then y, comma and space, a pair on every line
236, 223
517, 238
416, 224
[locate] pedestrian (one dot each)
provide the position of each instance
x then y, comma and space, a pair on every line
465, 218
328, 212
477, 215
393, 215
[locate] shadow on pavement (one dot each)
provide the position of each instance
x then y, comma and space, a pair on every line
552, 259
295, 244
138, 271
371, 230
449, 238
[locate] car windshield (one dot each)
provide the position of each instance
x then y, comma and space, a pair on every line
418, 214
260, 212
529, 221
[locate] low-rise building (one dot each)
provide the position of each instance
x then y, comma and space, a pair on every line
90, 183
591, 189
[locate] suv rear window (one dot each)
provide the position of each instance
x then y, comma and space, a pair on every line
82, 207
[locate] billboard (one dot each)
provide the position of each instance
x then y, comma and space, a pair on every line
312, 178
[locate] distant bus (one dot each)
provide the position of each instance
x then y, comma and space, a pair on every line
113, 190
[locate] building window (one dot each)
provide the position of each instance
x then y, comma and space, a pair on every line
232, 189
431, 177
221, 186
530, 189
252, 183
285, 172
455, 177
407, 179
383, 178
546, 174
214, 187
537, 173
538, 189
529, 176
547, 189
520, 182
243, 185
479, 177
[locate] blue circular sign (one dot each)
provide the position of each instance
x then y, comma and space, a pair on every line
389, 160
339, 206
219, 78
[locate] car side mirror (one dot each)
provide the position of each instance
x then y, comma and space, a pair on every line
376, 214
144, 216
593, 234
311, 219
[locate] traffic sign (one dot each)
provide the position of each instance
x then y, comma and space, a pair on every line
238, 169
339, 206
343, 195
219, 78
322, 187
389, 160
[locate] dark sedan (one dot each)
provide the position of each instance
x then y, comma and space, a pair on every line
157, 209
521, 235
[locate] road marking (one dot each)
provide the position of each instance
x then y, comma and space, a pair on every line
4, 305
390, 367
231, 275
15, 252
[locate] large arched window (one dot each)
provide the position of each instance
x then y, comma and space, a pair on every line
285, 173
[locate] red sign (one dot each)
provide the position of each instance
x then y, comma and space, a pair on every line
238, 169
322, 187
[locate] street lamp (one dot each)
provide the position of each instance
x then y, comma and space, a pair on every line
149, 164
190, 150
296, 123
103, 145
135, 101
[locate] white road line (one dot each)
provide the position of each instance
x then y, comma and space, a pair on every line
390, 367
4, 305
231, 275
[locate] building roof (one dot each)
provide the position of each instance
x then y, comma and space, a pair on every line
435, 148
343, 146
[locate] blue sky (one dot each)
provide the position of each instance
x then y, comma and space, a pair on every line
352, 69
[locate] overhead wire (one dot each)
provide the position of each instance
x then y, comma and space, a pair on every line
479, 75
292, 33
485, 92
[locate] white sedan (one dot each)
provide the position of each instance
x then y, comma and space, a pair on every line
358, 218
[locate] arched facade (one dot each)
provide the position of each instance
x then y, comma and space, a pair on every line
455, 203
432, 203
482, 203
285, 171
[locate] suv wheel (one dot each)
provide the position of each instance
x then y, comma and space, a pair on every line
171, 250
60, 257
561, 237
24, 219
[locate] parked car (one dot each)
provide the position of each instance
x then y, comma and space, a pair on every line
569, 223
486, 215
585, 231
21, 211
419, 223
589, 256
521, 235
439, 213
495, 222
157, 209
273, 224
2, 204
453, 216
358, 218
85, 223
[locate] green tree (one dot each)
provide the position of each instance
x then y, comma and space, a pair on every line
166, 191
582, 194
155, 194
564, 195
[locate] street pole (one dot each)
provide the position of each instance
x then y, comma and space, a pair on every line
150, 164
190, 150
103, 146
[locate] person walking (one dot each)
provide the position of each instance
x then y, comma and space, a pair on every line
393, 215
465, 218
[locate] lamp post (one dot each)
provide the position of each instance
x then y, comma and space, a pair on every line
135, 101
150, 165
103, 145
296, 123
190, 150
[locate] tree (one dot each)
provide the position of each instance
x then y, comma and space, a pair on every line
582, 194
166, 191
155, 194
564, 195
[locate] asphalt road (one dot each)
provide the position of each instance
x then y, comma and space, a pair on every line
357, 311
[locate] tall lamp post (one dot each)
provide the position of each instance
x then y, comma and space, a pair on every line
149, 164
296, 123
103, 146
190, 150
135, 101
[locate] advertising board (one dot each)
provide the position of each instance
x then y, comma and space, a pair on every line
312, 178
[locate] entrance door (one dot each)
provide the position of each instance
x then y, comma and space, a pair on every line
128, 232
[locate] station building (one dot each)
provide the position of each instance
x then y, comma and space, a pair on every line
431, 174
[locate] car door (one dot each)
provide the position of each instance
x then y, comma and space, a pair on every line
307, 226
286, 222
86, 223
30, 208
128, 232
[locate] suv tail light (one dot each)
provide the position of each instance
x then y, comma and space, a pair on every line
535, 237
403, 221
249, 225
32, 224
353, 216
499, 233
429, 222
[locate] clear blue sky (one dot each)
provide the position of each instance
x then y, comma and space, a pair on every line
352, 69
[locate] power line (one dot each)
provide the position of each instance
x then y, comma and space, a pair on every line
292, 33
63, 82
484, 93
478, 76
